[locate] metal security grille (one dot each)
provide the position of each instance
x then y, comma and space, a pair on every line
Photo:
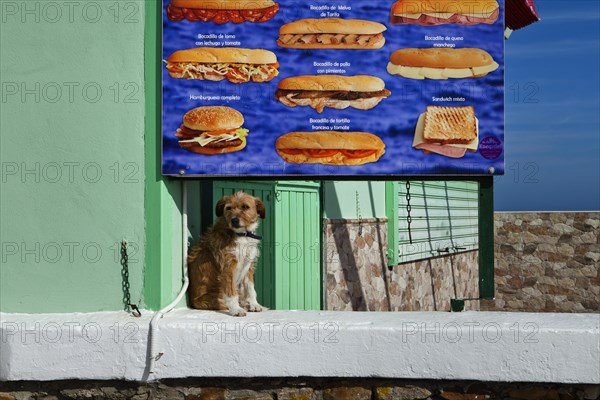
441, 218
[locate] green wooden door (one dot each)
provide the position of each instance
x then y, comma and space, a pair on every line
264, 277
288, 272
298, 249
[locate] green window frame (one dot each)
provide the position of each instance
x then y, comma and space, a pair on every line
480, 192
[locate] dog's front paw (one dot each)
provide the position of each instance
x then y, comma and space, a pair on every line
237, 312
255, 307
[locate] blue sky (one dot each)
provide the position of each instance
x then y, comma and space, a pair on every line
552, 111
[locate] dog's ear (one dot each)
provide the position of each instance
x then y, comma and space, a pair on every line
220, 208
260, 208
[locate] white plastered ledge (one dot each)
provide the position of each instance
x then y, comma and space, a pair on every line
502, 347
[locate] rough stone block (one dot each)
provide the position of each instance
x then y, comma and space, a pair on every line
535, 393
402, 393
295, 394
347, 393
458, 395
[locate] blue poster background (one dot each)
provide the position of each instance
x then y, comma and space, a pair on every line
393, 120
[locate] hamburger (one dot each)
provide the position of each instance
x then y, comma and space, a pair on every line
448, 131
434, 63
330, 147
237, 65
222, 11
335, 91
212, 130
441, 12
332, 33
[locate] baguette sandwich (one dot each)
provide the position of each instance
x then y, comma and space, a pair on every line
331, 148
335, 91
433, 63
448, 131
441, 12
222, 11
237, 65
212, 130
332, 33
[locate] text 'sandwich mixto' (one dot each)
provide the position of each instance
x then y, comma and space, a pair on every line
335, 91
222, 11
441, 12
434, 63
332, 33
212, 130
448, 131
330, 148
237, 65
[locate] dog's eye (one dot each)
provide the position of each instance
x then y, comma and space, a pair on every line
245, 207
228, 208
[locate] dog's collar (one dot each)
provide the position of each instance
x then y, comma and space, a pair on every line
250, 235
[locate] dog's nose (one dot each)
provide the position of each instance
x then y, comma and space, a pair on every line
235, 222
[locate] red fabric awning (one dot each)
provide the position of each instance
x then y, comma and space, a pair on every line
520, 13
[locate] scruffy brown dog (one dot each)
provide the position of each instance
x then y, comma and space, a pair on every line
221, 264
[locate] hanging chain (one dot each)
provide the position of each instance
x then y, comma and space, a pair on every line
132, 308
359, 214
408, 210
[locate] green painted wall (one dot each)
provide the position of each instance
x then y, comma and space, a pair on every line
72, 154
340, 199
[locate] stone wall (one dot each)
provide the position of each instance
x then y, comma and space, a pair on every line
358, 277
547, 262
293, 389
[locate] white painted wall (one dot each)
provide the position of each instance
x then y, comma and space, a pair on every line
340, 199
503, 347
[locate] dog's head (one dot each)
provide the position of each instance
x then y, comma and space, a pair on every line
241, 211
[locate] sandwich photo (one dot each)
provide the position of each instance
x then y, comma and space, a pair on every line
441, 12
332, 33
448, 131
222, 11
330, 147
237, 65
212, 130
433, 63
335, 91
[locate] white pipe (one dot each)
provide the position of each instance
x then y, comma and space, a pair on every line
154, 356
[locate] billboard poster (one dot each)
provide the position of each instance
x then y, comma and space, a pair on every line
319, 88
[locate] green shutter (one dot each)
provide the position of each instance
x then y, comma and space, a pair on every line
444, 219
